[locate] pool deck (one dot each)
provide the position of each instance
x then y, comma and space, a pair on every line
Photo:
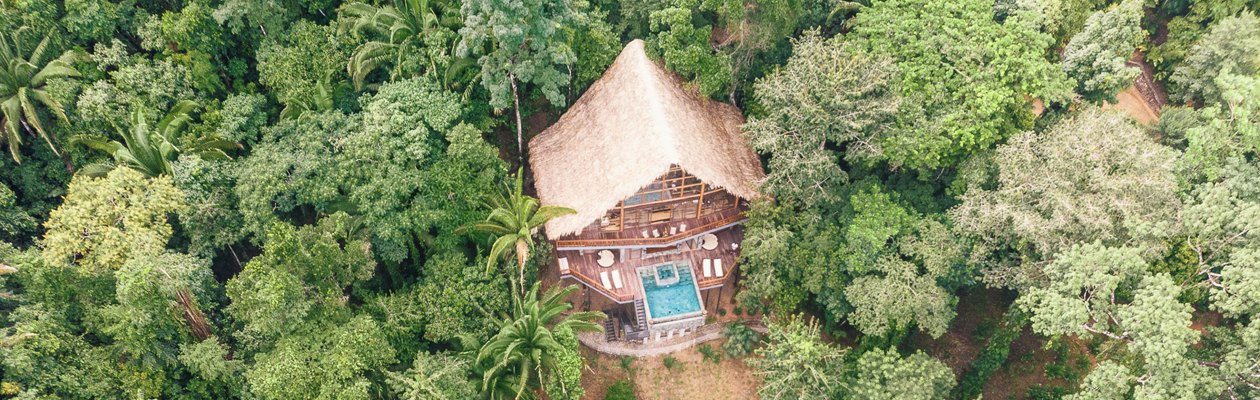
583, 268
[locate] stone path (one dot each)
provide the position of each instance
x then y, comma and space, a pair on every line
595, 341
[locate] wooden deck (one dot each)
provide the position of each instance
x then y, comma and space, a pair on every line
582, 265
657, 234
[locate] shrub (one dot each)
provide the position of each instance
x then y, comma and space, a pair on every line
710, 354
627, 362
994, 354
620, 390
740, 340
671, 362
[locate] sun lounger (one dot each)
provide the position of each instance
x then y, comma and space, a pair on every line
603, 277
616, 278
682, 227
564, 265
708, 268
673, 230
717, 267
645, 234
656, 233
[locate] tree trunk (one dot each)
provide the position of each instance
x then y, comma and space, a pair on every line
522, 254
520, 132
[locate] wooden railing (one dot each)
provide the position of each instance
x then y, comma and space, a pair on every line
649, 242
596, 285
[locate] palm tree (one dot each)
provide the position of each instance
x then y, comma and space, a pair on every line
524, 350
151, 150
22, 81
514, 219
408, 26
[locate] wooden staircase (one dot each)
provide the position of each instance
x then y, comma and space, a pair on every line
610, 330
640, 314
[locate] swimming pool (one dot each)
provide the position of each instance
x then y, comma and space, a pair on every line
671, 292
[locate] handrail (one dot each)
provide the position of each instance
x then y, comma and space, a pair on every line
591, 283
658, 241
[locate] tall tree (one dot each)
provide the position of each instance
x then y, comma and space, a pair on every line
1230, 46
885, 375
419, 38
968, 77
23, 81
519, 42
1047, 197
832, 94
106, 221
514, 219
1097, 56
796, 364
526, 348
152, 149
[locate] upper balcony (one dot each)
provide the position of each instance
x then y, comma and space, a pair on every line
662, 223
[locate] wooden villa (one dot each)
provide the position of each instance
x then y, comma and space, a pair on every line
660, 177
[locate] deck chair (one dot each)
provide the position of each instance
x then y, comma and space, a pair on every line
708, 268
564, 265
603, 277
616, 278
645, 234
656, 233
717, 267
673, 230
682, 227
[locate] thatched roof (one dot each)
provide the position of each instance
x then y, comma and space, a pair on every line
627, 130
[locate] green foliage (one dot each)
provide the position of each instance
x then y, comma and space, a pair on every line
513, 221
1097, 56
796, 364
740, 340
299, 281
106, 221
417, 38
620, 390
685, 47
884, 374
1048, 197
433, 376
24, 75
565, 382
966, 77
295, 66
1229, 47
518, 41
530, 346
671, 363
709, 354
331, 363
152, 150
831, 94
994, 354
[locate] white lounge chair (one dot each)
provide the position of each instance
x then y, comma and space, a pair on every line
673, 230
645, 234
616, 278
564, 265
717, 267
708, 268
603, 277
656, 233
682, 227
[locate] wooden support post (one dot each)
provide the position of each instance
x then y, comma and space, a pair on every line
622, 227
700, 203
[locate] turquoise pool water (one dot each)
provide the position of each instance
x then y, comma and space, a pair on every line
677, 295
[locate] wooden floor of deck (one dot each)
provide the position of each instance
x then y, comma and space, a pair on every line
593, 236
582, 265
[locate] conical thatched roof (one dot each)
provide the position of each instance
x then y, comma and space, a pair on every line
627, 130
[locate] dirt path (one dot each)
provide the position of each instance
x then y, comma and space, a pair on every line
1130, 101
